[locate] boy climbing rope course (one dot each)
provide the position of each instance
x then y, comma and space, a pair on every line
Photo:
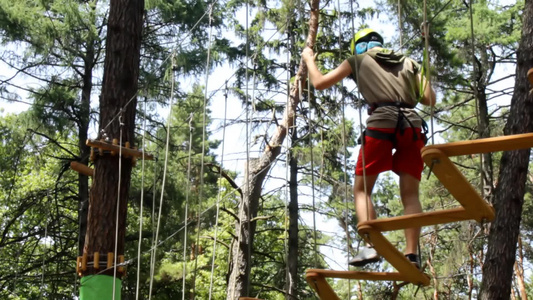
392, 85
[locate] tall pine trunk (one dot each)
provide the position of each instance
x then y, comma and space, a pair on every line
509, 193
117, 114
256, 170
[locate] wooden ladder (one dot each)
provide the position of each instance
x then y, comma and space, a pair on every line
473, 207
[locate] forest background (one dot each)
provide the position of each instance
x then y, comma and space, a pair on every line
214, 80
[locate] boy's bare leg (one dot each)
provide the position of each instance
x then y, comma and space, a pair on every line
411, 204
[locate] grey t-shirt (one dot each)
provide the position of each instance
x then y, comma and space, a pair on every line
385, 76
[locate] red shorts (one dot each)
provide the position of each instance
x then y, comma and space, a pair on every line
379, 157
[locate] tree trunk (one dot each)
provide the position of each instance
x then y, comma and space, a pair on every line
117, 114
85, 151
239, 280
509, 193
292, 258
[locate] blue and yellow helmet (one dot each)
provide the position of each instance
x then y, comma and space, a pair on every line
365, 35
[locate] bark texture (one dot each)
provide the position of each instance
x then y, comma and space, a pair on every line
256, 170
509, 193
117, 106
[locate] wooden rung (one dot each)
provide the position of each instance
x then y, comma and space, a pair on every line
129, 152
393, 256
110, 258
84, 262
78, 265
457, 185
530, 76
493, 144
357, 275
96, 265
121, 268
321, 286
81, 168
419, 220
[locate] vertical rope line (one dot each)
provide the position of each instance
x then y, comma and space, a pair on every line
186, 213
345, 154
45, 250
428, 69
118, 207
141, 206
165, 165
287, 175
152, 253
248, 216
247, 165
202, 159
400, 27
476, 95
361, 127
219, 194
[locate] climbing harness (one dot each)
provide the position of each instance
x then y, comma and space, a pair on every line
400, 125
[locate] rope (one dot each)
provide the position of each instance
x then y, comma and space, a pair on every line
118, 208
201, 188
361, 127
141, 207
476, 96
286, 211
218, 195
247, 171
315, 242
400, 27
428, 68
164, 175
152, 253
45, 248
186, 214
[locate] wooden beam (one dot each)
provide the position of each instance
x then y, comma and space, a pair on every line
493, 144
393, 256
457, 185
321, 286
127, 152
81, 168
419, 220
357, 275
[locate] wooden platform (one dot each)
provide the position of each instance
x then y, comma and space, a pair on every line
473, 207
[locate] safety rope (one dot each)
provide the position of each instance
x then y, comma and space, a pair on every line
165, 166
476, 96
247, 167
361, 126
427, 65
202, 159
219, 193
141, 206
118, 207
186, 213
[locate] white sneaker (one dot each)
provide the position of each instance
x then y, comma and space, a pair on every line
365, 256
